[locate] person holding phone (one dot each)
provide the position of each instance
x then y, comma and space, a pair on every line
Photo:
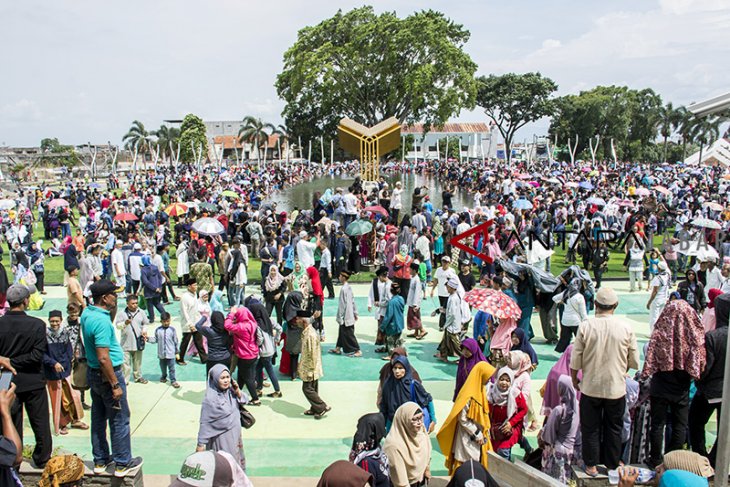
23, 341
106, 379
11, 447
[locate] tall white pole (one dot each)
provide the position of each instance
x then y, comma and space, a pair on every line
403, 149
438, 150
321, 149
278, 148
309, 154
301, 148
332, 151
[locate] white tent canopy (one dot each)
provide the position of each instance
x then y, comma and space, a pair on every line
717, 153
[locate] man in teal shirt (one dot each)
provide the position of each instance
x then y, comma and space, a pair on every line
106, 381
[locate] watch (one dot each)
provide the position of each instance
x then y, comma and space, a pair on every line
116, 386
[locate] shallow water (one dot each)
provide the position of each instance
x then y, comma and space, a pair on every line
301, 195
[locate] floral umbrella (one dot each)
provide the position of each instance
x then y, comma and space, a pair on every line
494, 302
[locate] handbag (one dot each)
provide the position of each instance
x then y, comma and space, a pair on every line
140, 340
247, 419
426, 415
79, 379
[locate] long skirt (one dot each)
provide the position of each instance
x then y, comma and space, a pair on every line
558, 464
65, 403
231, 443
413, 318
346, 339
450, 345
285, 361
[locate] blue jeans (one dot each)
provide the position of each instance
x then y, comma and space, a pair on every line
265, 363
65, 230
236, 293
153, 303
105, 410
505, 453
168, 364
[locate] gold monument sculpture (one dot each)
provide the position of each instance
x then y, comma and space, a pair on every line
369, 143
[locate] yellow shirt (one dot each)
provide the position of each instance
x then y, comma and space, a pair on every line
310, 361
605, 349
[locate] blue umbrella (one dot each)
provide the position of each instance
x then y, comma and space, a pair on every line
95, 186
586, 185
522, 204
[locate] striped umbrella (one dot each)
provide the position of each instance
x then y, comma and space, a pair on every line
176, 209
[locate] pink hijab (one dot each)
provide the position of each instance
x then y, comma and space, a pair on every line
551, 397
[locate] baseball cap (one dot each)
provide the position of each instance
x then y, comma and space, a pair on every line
137, 246
606, 297
102, 288
16, 293
204, 469
445, 258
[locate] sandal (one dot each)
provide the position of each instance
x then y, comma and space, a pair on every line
309, 412
334, 351
254, 403
591, 475
63, 431
80, 425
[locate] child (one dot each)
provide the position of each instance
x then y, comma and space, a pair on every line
167, 343
415, 295
507, 411
636, 266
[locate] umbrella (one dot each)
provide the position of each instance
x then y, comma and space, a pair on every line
586, 185
697, 248
494, 302
176, 209
572, 184
7, 204
208, 226
524, 176
358, 227
662, 190
586, 169
713, 206
522, 204
377, 209
554, 181
534, 184
125, 217
95, 185
58, 202
542, 280
706, 223
231, 194
208, 206
642, 192
596, 201
625, 203
726, 176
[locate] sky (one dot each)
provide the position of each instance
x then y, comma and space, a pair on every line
83, 70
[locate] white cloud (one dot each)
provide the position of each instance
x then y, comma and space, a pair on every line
551, 44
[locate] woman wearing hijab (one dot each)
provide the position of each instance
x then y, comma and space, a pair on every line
216, 301
472, 474
241, 324
559, 438
70, 257
274, 293
408, 448
675, 356
392, 323
550, 394
316, 300
400, 388
65, 400
20, 262
367, 452
292, 335
507, 411
36, 261
471, 355
464, 435
386, 371
708, 316
220, 423
402, 270
344, 474
152, 283
574, 312
266, 337
522, 366
520, 342
692, 291
660, 291
218, 339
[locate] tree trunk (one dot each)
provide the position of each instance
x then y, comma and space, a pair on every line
664, 157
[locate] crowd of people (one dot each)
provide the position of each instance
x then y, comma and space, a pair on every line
601, 405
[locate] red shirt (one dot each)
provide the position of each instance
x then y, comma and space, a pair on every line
497, 416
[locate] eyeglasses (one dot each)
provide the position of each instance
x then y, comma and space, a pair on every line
417, 419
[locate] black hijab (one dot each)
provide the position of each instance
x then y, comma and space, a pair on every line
217, 322
292, 304
370, 432
259, 313
397, 392
474, 472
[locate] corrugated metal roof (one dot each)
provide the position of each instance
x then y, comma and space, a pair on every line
449, 128
231, 141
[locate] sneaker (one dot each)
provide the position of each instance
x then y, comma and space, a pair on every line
100, 468
141, 380
85, 406
123, 470
274, 394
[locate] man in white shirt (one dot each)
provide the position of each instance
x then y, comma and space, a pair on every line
325, 270
378, 296
135, 266
118, 268
725, 283
419, 220
713, 277
439, 281
415, 296
189, 315
450, 345
423, 246
396, 202
305, 250
350, 201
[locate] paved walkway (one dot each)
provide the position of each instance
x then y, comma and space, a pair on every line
284, 443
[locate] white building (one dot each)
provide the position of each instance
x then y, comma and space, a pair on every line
475, 140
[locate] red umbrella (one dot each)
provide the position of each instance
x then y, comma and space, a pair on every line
125, 217
377, 209
494, 302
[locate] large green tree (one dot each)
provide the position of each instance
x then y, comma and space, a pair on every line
192, 134
369, 67
514, 100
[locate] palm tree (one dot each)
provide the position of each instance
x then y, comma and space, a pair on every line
670, 120
685, 126
253, 131
165, 136
138, 137
705, 131
283, 132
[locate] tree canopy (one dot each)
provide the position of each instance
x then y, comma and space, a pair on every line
514, 100
192, 134
370, 67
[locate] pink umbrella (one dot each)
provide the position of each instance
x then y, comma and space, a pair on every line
662, 190
586, 169
572, 184
57, 203
524, 176
534, 184
625, 203
493, 302
642, 192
